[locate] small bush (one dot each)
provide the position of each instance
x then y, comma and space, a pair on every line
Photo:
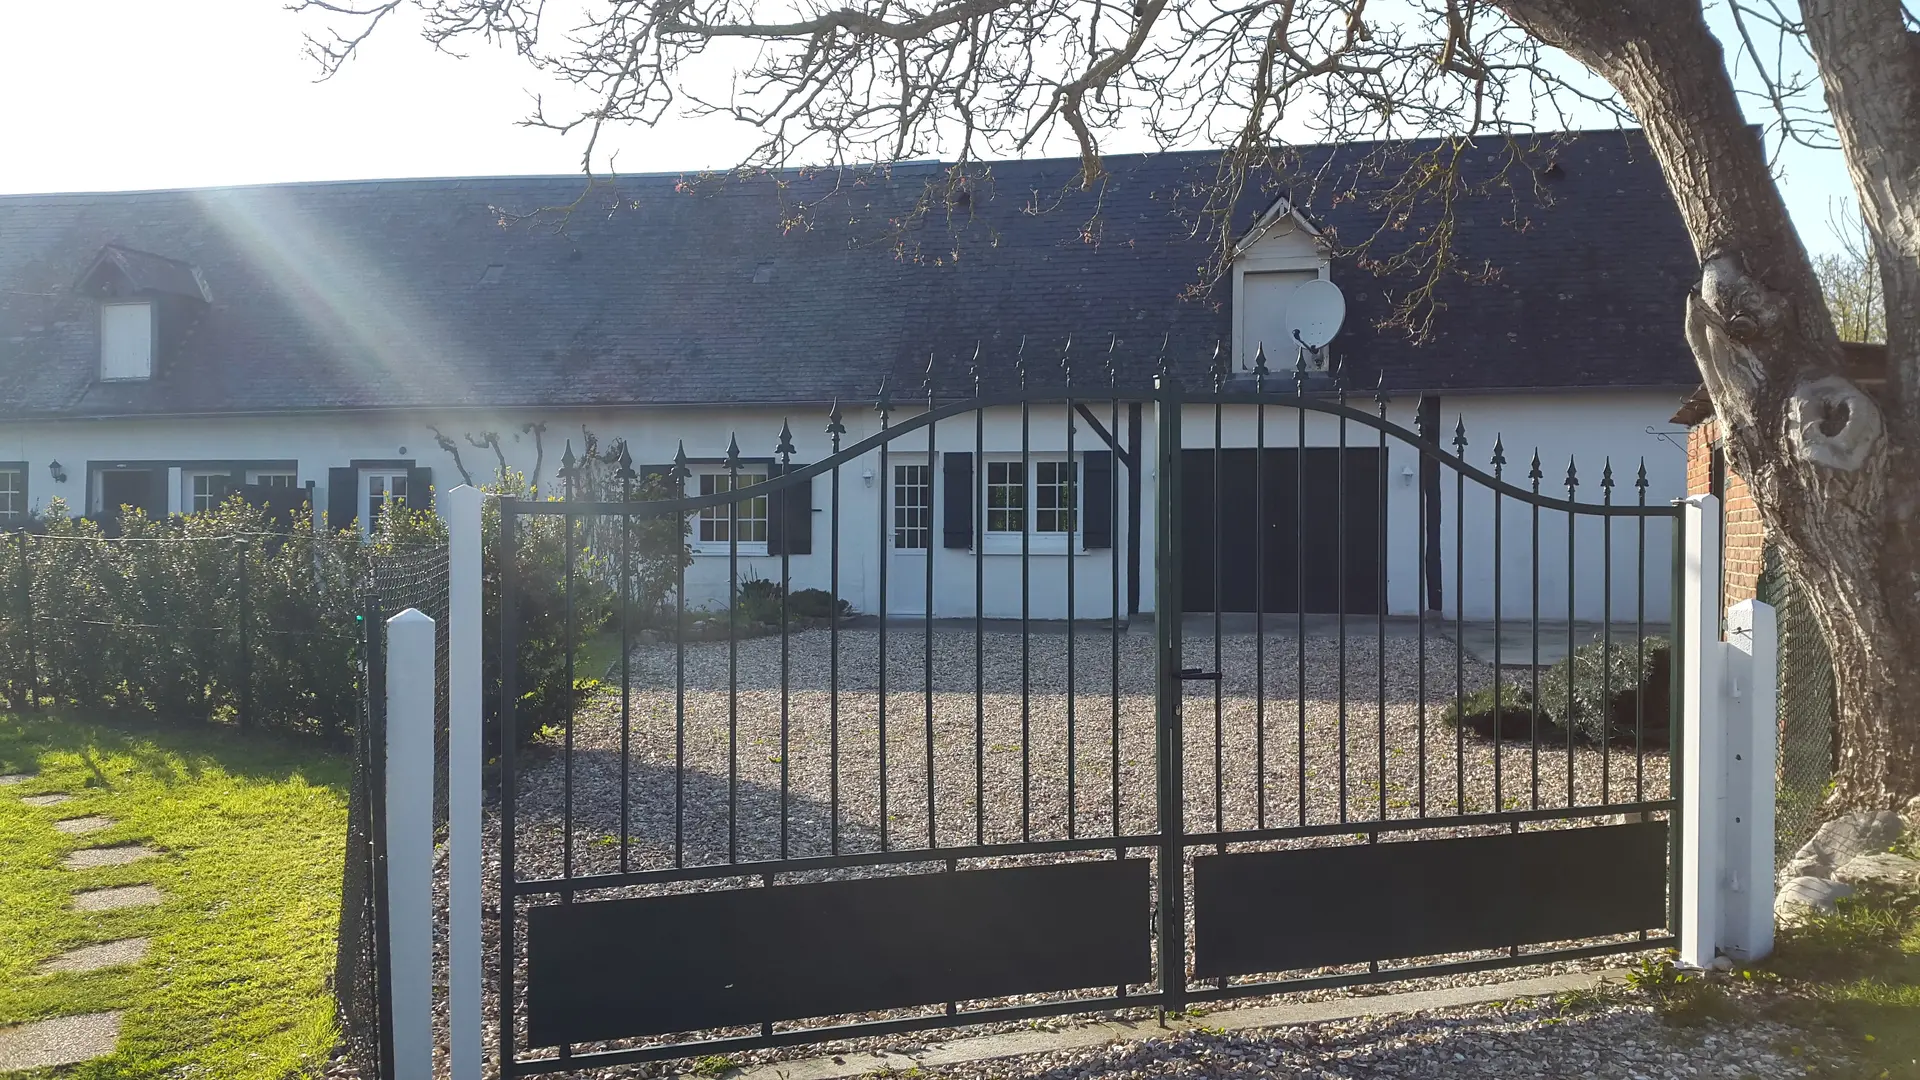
1608, 687
1516, 719
817, 604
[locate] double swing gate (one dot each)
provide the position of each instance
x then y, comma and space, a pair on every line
792, 821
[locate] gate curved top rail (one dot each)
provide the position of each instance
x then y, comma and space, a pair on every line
795, 475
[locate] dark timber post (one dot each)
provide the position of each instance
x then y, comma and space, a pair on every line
1167, 687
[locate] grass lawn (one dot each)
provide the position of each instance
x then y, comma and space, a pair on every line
251, 831
1858, 974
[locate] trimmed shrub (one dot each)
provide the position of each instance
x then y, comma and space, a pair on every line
817, 604
1611, 691
1516, 719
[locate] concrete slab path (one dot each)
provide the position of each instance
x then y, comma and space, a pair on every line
77, 825
63, 1040
90, 858
9, 779
46, 800
120, 896
95, 957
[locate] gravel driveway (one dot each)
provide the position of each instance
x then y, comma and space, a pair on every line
1003, 763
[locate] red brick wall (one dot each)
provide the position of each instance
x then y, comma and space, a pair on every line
1744, 537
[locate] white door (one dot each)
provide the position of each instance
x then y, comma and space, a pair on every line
910, 538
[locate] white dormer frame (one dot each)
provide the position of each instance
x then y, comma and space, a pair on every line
1266, 248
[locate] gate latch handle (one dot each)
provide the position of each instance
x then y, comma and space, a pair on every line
1195, 673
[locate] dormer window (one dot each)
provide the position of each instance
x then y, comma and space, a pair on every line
1281, 251
126, 340
147, 304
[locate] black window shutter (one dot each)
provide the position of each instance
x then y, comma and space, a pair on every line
1096, 498
343, 498
957, 475
790, 515
419, 488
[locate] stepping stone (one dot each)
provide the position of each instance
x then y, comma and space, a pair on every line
122, 896
45, 800
74, 826
90, 858
94, 957
14, 778
63, 1040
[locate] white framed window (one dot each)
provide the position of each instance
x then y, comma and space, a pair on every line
912, 507
1056, 497
714, 527
204, 490
1038, 500
126, 341
380, 489
1006, 497
13, 494
270, 478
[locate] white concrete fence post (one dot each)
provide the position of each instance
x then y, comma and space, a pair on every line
409, 841
1728, 746
465, 756
1753, 738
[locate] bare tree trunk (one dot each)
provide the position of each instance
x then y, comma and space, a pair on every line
1819, 453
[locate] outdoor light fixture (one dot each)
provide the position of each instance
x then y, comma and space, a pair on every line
867, 477
1406, 474
58, 470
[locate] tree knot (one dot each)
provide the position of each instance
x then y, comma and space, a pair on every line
1832, 422
1743, 308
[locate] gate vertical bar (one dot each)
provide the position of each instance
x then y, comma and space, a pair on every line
509, 694
1167, 691
466, 754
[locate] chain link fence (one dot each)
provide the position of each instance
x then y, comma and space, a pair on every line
1806, 725
395, 581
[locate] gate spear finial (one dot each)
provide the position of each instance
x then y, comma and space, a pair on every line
1260, 367
785, 446
1499, 455
1533, 473
1460, 436
836, 426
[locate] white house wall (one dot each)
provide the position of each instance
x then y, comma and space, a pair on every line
1589, 426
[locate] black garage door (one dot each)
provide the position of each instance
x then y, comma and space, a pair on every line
1299, 526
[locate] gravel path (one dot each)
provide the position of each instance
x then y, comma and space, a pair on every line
1622, 1042
1008, 766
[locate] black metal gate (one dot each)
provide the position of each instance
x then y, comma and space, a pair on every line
783, 821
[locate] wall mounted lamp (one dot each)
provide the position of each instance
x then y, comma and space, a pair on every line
58, 470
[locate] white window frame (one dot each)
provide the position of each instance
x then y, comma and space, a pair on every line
894, 507
1009, 542
146, 370
269, 478
386, 476
190, 499
723, 547
9, 492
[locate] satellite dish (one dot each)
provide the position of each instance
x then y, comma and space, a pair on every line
1315, 310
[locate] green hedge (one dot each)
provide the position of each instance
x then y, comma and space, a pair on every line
219, 615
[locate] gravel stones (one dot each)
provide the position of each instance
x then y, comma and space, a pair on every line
10, 779
1803, 895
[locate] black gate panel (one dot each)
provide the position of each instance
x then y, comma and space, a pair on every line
1317, 907
1298, 524
654, 965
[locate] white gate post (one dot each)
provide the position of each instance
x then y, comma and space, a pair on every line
464, 762
1752, 651
410, 680
1703, 734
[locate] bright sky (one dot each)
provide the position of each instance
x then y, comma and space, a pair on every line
130, 94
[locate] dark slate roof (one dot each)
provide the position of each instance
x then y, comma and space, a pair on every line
443, 293
144, 271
